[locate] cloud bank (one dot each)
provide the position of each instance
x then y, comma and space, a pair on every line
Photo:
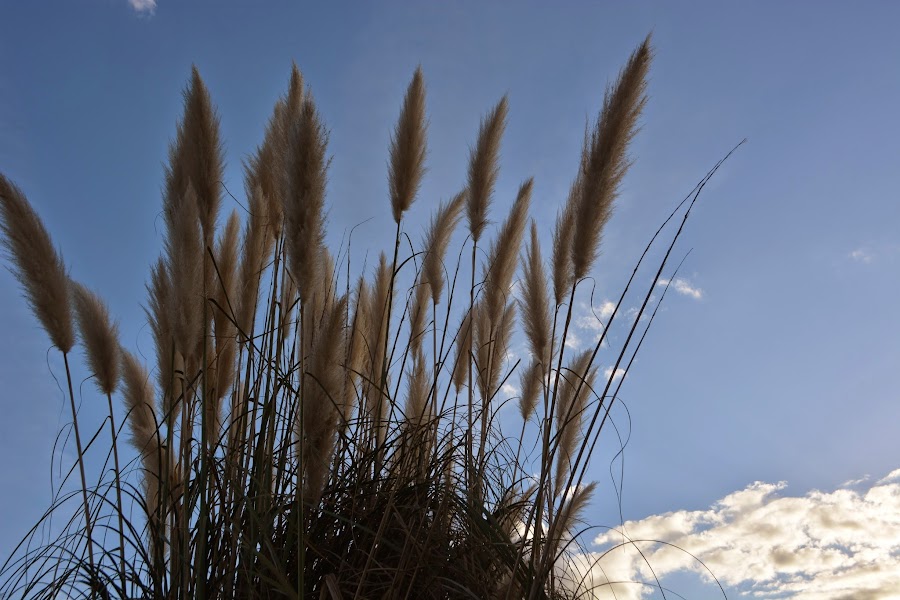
820, 546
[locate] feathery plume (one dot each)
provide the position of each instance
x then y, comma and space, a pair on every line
99, 335
571, 513
431, 276
443, 222
37, 265
484, 167
303, 206
569, 410
224, 331
257, 248
322, 389
225, 291
357, 349
408, 147
492, 342
288, 305
377, 312
267, 168
417, 392
159, 315
462, 365
562, 251
531, 383
323, 295
146, 439
184, 258
137, 391
196, 157
293, 102
604, 158
418, 310
504, 254
535, 303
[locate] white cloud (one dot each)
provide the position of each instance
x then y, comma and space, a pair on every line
632, 314
572, 340
143, 6
509, 389
606, 309
820, 546
590, 321
683, 287
862, 255
620, 372
892, 477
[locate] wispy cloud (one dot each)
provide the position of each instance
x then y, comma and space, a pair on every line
819, 546
683, 287
862, 255
146, 7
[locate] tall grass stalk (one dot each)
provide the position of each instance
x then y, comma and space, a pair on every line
294, 442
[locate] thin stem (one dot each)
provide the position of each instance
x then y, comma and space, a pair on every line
469, 436
115, 448
87, 510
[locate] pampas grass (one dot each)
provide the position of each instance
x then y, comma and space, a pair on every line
42, 274
295, 435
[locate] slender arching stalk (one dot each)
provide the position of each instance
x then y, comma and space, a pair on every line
469, 462
383, 387
84, 494
119, 506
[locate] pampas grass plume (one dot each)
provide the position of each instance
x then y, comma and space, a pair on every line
484, 167
408, 147
303, 207
535, 303
37, 265
604, 161
99, 335
196, 156
504, 253
443, 222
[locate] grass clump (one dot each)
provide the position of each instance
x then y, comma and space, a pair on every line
302, 434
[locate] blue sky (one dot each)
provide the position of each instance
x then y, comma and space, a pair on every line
778, 360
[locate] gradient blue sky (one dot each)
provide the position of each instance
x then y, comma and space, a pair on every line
781, 367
